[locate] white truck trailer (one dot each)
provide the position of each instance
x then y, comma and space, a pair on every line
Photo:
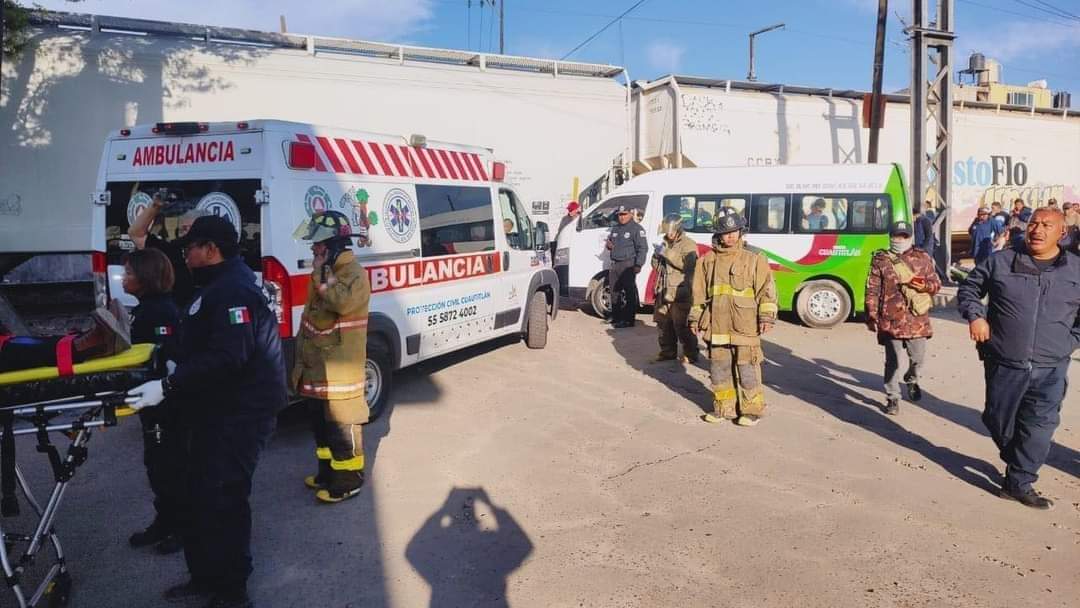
999, 153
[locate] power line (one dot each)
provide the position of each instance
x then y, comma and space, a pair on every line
1015, 13
603, 29
1052, 10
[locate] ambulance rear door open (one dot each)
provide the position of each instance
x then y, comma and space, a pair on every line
198, 168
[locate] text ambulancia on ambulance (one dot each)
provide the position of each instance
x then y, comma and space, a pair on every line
451, 254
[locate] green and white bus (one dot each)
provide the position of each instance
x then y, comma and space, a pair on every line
818, 225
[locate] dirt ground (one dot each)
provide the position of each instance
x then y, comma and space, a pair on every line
581, 475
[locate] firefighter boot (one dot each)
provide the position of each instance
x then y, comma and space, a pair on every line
346, 478
319, 480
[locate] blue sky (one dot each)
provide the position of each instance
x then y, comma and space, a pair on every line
827, 43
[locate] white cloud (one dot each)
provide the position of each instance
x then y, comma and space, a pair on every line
1022, 39
389, 20
664, 56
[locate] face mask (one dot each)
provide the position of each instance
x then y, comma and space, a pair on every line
899, 245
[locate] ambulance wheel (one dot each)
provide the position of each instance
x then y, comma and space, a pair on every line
378, 376
59, 593
537, 327
600, 297
823, 304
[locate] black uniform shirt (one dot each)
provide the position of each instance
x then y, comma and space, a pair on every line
629, 243
156, 320
230, 361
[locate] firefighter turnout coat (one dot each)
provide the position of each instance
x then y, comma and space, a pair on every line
331, 349
733, 291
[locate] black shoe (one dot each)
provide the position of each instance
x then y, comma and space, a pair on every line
1028, 498
152, 535
622, 324
892, 407
343, 486
169, 545
221, 600
914, 392
185, 591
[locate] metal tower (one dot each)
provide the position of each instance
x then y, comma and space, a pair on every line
931, 113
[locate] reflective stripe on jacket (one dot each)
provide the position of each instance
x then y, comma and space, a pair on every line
733, 292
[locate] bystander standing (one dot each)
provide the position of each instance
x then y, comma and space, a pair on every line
1024, 316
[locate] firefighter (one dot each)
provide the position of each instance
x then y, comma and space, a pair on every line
230, 381
331, 356
734, 303
674, 265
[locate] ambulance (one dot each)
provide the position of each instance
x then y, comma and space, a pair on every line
819, 226
451, 252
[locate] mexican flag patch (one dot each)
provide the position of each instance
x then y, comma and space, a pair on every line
163, 330
239, 315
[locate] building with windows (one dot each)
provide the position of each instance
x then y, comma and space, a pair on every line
986, 86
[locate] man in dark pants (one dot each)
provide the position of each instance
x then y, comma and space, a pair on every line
230, 380
1025, 336
629, 250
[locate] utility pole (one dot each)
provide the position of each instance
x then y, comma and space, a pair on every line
502, 27
931, 101
879, 67
750, 74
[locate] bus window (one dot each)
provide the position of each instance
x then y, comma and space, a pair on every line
820, 213
455, 219
698, 211
768, 214
870, 215
603, 216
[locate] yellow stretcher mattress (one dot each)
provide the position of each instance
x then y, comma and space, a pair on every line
137, 355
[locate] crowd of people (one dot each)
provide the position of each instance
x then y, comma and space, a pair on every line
1021, 300
207, 421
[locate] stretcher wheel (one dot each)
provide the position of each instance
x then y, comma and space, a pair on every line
59, 593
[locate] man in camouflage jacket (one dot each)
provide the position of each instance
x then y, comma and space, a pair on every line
899, 292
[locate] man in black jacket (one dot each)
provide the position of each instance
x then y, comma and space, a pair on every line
230, 378
1025, 337
629, 251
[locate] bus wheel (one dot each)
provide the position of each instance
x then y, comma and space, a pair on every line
378, 376
536, 329
600, 297
823, 304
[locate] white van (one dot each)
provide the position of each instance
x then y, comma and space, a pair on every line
452, 255
818, 225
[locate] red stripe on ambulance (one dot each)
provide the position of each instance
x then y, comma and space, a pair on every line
350, 160
361, 149
319, 165
331, 156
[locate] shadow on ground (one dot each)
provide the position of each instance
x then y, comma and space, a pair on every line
467, 549
822, 385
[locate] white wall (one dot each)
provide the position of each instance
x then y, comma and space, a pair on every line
69, 89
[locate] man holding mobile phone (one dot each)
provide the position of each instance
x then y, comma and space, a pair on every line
899, 295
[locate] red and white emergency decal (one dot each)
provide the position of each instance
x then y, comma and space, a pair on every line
340, 155
402, 275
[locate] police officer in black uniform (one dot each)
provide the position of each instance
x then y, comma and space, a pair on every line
629, 251
230, 377
148, 275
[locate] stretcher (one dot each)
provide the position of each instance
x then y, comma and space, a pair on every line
69, 403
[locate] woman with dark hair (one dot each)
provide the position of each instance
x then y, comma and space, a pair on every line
149, 276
